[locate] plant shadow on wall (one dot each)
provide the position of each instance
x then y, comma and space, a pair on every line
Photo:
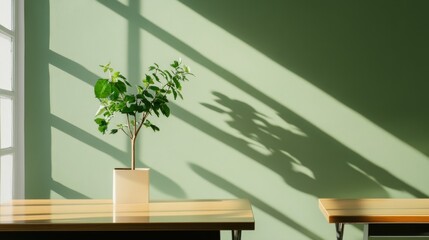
306, 158
370, 56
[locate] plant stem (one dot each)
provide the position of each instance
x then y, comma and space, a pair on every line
133, 143
129, 125
133, 152
126, 133
133, 137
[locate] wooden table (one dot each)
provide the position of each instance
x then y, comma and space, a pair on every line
381, 217
89, 219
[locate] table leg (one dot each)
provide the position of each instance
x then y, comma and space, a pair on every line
236, 234
365, 232
339, 227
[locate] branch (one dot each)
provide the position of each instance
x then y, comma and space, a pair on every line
128, 124
126, 133
135, 129
142, 122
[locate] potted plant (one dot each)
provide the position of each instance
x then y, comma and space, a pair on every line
136, 106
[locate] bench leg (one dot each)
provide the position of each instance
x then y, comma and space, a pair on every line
339, 227
236, 234
365, 232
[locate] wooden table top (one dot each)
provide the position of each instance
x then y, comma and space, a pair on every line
102, 215
375, 210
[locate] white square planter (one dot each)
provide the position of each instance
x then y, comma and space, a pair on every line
130, 186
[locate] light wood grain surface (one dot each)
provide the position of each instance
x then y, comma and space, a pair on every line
375, 210
102, 215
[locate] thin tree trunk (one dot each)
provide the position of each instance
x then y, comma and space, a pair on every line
133, 153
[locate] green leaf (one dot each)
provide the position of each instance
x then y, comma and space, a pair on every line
120, 106
147, 103
168, 74
140, 89
114, 92
180, 94
177, 83
126, 82
175, 64
102, 88
147, 123
127, 110
155, 88
148, 79
187, 69
115, 76
140, 96
112, 108
147, 94
113, 131
174, 93
162, 73
129, 98
105, 67
155, 110
121, 86
102, 125
161, 99
100, 121
102, 129
156, 77
165, 110
154, 128
133, 107
140, 108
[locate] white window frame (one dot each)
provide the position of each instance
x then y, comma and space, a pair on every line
17, 94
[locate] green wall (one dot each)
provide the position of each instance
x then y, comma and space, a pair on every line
292, 101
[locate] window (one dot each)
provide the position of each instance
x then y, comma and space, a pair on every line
11, 100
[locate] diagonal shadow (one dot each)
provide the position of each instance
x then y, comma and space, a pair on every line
235, 190
65, 191
325, 182
134, 44
302, 161
71, 67
88, 139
